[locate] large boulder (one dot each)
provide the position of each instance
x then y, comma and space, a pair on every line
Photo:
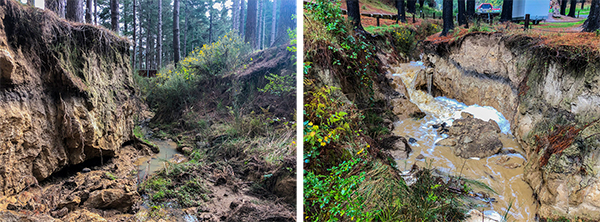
65, 94
473, 137
110, 198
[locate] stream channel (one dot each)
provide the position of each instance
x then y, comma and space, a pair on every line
503, 172
150, 164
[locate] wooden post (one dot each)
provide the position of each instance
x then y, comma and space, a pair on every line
527, 21
414, 18
433, 15
377, 21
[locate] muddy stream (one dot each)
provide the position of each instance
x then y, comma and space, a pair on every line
502, 172
151, 164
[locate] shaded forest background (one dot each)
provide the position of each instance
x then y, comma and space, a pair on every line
164, 31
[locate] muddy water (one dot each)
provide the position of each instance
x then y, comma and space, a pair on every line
502, 172
149, 165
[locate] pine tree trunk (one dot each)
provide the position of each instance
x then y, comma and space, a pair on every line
263, 35
353, 8
470, 9
74, 10
573, 8
507, 8
411, 6
593, 21
273, 23
447, 16
88, 11
148, 49
96, 12
140, 58
582, 4
421, 3
563, 7
57, 6
401, 12
176, 52
185, 28
242, 19
235, 16
133, 55
260, 24
285, 21
250, 35
159, 36
114, 15
462, 18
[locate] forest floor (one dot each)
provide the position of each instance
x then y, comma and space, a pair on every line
240, 160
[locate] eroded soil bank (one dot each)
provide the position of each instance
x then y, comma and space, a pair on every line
551, 97
69, 151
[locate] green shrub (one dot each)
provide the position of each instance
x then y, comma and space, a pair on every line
176, 87
404, 40
334, 196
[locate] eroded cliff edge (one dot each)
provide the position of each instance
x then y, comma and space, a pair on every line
65, 94
551, 96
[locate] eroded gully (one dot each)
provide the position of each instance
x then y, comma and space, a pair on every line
502, 172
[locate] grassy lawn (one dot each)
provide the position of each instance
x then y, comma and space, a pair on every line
564, 25
585, 11
383, 28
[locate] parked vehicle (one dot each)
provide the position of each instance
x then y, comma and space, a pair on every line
537, 10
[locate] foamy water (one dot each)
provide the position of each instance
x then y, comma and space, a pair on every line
507, 182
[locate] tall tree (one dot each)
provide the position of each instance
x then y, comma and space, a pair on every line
74, 10
447, 16
353, 8
250, 35
185, 26
57, 6
411, 6
273, 23
176, 53
160, 34
88, 11
140, 58
582, 4
563, 7
235, 15
242, 18
593, 21
96, 12
260, 24
134, 35
114, 15
421, 3
573, 8
149, 41
401, 11
462, 18
507, 8
470, 9
286, 11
